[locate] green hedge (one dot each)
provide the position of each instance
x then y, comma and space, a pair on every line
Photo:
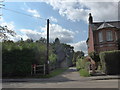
110, 62
17, 62
17, 58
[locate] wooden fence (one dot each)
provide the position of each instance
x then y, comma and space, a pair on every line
38, 69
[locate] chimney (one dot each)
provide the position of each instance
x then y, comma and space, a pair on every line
90, 18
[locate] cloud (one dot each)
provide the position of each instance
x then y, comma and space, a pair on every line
102, 10
9, 25
56, 31
18, 37
80, 46
77, 10
34, 12
53, 19
32, 34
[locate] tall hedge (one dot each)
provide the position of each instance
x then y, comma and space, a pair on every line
17, 58
110, 62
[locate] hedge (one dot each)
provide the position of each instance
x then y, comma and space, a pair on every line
17, 59
110, 62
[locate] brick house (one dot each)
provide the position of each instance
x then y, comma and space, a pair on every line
103, 36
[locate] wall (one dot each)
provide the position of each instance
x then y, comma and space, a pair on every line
91, 40
106, 45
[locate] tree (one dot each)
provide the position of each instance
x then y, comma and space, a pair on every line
78, 55
29, 40
57, 41
42, 40
4, 32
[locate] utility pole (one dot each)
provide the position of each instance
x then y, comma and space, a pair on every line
47, 58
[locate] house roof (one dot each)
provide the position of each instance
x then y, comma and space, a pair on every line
100, 25
105, 25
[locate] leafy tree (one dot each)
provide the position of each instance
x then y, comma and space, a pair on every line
78, 55
4, 31
42, 40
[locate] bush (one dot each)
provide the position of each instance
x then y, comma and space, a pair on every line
83, 67
53, 59
110, 62
94, 56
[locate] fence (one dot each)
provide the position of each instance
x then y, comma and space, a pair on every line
38, 69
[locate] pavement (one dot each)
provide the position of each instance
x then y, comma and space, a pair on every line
68, 79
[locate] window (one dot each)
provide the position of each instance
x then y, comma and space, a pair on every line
100, 37
109, 36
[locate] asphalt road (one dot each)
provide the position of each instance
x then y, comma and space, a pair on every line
69, 79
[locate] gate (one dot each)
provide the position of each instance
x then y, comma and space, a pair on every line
38, 69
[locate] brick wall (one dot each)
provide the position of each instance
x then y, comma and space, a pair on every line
91, 40
106, 45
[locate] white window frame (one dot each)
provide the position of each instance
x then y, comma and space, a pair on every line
100, 36
109, 35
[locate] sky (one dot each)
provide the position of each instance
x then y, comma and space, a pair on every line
68, 20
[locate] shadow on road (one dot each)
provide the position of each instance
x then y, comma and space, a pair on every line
60, 78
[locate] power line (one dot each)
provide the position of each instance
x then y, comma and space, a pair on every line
23, 13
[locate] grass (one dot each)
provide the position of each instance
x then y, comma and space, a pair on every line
84, 73
54, 73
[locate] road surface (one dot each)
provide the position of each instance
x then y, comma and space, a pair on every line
69, 79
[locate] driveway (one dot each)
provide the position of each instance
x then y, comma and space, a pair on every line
69, 79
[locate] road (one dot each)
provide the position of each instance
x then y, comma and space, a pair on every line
69, 79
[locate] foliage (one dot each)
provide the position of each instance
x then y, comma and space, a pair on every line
52, 59
94, 56
63, 52
77, 55
4, 31
19, 56
110, 61
83, 66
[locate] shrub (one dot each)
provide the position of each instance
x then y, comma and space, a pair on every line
52, 59
94, 56
110, 61
83, 67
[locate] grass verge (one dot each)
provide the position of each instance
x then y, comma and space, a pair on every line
84, 73
53, 73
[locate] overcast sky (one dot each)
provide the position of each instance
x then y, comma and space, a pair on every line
68, 20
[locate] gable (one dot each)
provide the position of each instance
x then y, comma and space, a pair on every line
99, 25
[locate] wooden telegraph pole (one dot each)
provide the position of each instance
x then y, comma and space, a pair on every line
47, 58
